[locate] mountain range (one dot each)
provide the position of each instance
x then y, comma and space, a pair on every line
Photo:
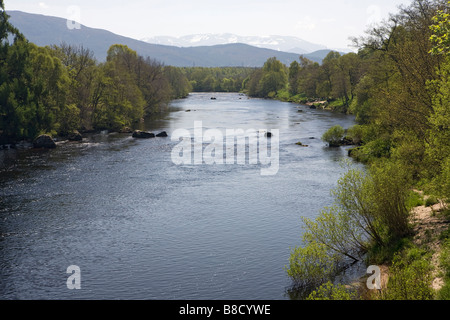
46, 30
274, 42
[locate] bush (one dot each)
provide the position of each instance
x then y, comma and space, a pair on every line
334, 136
356, 134
329, 291
390, 190
311, 265
369, 211
378, 148
414, 200
410, 277
444, 293
431, 201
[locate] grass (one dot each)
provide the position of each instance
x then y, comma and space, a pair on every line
383, 254
431, 201
414, 200
444, 293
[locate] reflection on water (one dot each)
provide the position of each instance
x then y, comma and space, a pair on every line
141, 227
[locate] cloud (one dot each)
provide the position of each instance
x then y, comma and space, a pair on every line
43, 5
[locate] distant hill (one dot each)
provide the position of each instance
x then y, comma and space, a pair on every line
274, 42
45, 30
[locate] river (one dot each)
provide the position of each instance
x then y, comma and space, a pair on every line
139, 226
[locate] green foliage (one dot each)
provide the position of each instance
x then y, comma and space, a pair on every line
379, 148
441, 30
400, 95
370, 214
227, 79
410, 277
444, 293
334, 136
356, 134
391, 185
438, 136
431, 201
60, 89
266, 82
330, 291
414, 200
311, 265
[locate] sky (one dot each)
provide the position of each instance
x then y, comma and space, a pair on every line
326, 22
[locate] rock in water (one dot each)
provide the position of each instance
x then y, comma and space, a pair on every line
75, 136
44, 141
143, 135
162, 134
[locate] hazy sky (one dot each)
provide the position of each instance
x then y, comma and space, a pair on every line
327, 22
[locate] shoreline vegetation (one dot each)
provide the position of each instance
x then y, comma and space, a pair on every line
397, 86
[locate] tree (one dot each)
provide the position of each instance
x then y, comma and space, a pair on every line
82, 69
269, 80
294, 74
438, 135
179, 84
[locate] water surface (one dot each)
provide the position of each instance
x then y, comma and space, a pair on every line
141, 227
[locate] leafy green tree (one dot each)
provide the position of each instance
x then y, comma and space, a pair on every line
274, 77
82, 69
121, 102
179, 83
438, 135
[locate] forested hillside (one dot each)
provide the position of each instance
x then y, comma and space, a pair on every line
398, 86
57, 90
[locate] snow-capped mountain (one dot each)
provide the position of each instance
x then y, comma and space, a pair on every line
279, 43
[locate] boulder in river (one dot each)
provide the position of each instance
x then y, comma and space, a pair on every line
44, 141
143, 134
162, 134
75, 136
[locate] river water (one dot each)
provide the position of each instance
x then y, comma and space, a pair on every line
139, 226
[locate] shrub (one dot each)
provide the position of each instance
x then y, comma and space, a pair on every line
329, 291
370, 211
414, 200
311, 265
356, 134
431, 201
390, 190
334, 136
410, 277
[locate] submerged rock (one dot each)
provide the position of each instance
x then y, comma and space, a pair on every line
143, 135
162, 134
302, 145
75, 136
44, 141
